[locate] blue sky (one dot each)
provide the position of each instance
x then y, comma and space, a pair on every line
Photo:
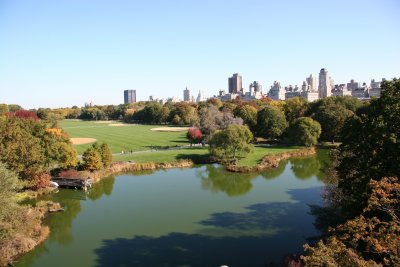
59, 53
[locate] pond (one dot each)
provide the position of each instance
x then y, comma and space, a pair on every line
201, 216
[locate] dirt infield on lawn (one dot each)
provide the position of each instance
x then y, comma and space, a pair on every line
81, 141
170, 129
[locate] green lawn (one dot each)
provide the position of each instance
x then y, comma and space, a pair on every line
259, 152
123, 138
139, 137
163, 156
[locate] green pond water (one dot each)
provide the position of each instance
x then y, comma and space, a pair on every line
202, 216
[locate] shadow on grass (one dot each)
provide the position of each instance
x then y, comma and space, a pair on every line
196, 158
262, 236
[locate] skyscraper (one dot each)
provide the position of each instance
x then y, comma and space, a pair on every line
325, 87
235, 83
186, 95
312, 82
129, 96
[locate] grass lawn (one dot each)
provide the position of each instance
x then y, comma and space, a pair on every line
259, 152
123, 138
163, 156
139, 137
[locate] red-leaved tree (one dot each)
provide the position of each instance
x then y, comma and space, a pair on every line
194, 135
26, 114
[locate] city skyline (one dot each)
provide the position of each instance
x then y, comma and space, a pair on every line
68, 53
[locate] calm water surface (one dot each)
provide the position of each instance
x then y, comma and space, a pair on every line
202, 216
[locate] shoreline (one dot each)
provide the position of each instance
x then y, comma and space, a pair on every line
267, 162
271, 161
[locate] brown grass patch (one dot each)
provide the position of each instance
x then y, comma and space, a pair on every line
118, 124
81, 141
170, 129
105, 122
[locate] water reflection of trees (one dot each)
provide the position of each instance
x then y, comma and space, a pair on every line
306, 167
275, 172
61, 223
105, 186
216, 179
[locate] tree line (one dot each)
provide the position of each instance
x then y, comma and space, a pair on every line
363, 201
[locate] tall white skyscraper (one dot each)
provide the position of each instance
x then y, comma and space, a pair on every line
325, 84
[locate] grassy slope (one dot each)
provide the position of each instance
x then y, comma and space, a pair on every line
125, 138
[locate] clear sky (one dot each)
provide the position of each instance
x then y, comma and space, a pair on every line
59, 53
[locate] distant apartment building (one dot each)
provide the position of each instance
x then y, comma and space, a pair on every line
186, 95
375, 88
307, 91
291, 92
129, 96
235, 84
325, 84
255, 87
361, 92
313, 83
352, 85
341, 90
276, 92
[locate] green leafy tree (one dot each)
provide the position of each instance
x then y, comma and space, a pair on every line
69, 157
295, 108
106, 155
248, 114
271, 122
20, 149
8, 186
332, 118
370, 147
305, 131
231, 143
92, 159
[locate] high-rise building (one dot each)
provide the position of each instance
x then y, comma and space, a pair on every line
312, 82
186, 95
325, 84
129, 96
235, 84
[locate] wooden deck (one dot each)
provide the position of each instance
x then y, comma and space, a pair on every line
76, 183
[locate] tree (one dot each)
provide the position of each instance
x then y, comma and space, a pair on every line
271, 122
370, 239
8, 186
20, 149
106, 155
370, 147
368, 188
69, 157
305, 131
248, 114
92, 159
332, 118
295, 108
230, 143
194, 135
3, 109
